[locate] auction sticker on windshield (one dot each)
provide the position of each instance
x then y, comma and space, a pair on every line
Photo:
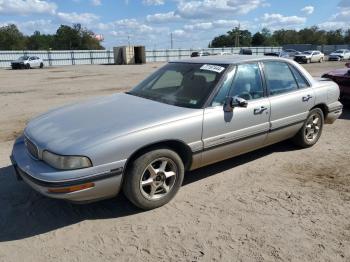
214, 68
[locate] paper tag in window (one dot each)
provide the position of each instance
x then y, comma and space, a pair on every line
214, 68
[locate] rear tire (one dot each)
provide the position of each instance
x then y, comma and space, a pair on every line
41, 65
311, 131
321, 60
308, 61
27, 66
154, 178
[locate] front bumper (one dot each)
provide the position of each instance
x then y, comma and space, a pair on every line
302, 59
106, 179
334, 58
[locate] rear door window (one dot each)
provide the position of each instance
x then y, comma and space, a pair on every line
279, 78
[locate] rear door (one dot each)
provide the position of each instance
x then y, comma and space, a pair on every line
226, 134
291, 98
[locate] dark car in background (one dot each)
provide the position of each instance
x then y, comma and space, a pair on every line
200, 53
245, 51
291, 52
278, 54
342, 78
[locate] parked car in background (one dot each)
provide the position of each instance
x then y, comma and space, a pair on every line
341, 54
342, 78
224, 53
278, 54
309, 57
292, 52
188, 114
245, 51
27, 62
200, 53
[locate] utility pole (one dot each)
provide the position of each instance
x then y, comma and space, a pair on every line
171, 41
237, 35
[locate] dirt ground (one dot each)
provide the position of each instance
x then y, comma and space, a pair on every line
280, 203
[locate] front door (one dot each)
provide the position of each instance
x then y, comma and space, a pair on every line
226, 134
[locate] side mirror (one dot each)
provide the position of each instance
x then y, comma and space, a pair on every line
232, 102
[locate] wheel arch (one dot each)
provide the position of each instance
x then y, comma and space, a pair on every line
323, 107
180, 147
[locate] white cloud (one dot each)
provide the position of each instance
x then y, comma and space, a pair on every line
308, 9
83, 18
163, 17
96, 2
277, 21
341, 19
217, 8
228, 24
153, 2
26, 7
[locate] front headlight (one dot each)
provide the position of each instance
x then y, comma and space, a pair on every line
66, 162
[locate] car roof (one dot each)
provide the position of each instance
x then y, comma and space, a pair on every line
229, 59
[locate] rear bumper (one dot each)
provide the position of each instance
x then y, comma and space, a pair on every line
106, 184
334, 112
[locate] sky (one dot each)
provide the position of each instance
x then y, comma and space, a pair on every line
193, 24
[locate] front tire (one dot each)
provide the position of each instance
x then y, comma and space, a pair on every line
27, 66
41, 65
311, 131
154, 178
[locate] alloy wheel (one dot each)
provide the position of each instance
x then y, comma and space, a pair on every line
158, 178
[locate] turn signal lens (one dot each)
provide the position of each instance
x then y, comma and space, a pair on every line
71, 188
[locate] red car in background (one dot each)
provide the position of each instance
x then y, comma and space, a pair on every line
342, 78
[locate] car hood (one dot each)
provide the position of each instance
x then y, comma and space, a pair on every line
336, 54
303, 55
340, 72
81, 126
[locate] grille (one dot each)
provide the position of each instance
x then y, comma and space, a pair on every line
32, 149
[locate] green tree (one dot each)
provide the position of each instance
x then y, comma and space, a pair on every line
37, 41
11, 38
258, 39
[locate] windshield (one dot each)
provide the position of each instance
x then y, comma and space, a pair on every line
22, 58
339, 52
181, 84
307, 52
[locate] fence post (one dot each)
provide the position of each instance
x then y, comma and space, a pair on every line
72, 57
91, 58
108, 56
49, 57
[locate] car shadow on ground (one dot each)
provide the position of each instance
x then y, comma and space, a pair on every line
25, 213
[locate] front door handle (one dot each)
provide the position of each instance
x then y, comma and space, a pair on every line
306, 98
258, 111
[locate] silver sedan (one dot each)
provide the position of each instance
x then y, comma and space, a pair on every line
186, 115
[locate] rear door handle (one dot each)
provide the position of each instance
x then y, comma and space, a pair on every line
258, 111
306, 98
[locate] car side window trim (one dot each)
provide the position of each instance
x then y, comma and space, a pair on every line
302, 76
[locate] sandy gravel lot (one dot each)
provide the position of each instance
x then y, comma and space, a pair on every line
276, 204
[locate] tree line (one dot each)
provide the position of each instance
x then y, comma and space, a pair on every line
66, 38
265, 37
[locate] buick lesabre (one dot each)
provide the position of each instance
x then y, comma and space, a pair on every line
186, 115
